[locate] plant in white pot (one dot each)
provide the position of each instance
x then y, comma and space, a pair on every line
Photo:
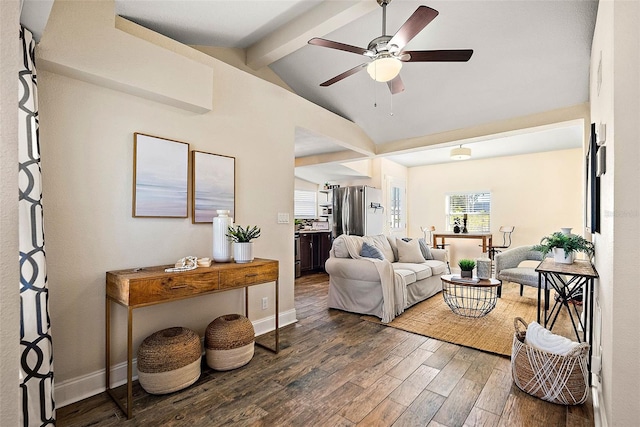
564, 247
242, 244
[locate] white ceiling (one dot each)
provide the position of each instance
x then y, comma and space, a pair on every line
530, 56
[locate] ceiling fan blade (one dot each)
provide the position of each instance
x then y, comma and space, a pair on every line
337, 45
344, 75
396, 85
416, 22
461, 55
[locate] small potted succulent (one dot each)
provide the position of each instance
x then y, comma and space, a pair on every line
564, 247
466, 267
242, 244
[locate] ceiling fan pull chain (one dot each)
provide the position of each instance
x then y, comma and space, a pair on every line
375, 93
391, 108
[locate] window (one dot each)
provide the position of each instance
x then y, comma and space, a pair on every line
476, 207
397, 206
305, 204
395, 217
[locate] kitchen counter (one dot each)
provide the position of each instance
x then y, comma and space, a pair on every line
311, 231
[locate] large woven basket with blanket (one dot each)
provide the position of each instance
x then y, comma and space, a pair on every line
553, 377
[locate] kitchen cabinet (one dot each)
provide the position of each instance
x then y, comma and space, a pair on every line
306, 251
324, 248
314, 250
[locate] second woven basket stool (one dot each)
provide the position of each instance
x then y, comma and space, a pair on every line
229, 342
169, 360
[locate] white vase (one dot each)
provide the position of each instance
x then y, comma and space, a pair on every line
243, 252
483, 268
559, 256
566, 230
221, 243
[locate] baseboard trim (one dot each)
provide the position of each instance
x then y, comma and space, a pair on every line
82, 387
599, 414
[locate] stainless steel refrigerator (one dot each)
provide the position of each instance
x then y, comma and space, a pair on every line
357, 210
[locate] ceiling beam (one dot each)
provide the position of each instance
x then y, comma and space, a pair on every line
333, 157
328, 16
503, 128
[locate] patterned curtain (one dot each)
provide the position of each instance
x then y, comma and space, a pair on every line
36, 360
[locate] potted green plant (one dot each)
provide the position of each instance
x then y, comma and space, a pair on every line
242, 244
466, 267
564, 247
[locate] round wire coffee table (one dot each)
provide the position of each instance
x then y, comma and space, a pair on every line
470, 297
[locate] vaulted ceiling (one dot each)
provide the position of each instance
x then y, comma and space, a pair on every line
530, 57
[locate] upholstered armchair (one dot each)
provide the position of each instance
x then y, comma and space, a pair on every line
508, 268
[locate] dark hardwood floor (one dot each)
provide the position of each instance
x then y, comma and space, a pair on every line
335, 369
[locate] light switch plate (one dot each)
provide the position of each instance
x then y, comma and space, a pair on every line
283, 218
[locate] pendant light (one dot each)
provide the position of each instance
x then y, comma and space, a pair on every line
461, 153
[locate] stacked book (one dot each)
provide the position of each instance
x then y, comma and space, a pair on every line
459, 279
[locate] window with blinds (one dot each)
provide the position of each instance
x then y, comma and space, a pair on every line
305, 204
476, 207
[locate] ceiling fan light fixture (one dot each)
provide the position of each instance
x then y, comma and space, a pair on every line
461, 153
384, 69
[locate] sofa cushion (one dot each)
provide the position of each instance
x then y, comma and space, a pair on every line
409, 251
340, 248
524, 275
409, 276
422, 271
380, 241
394, 249
370, 251
437, 267
426, 250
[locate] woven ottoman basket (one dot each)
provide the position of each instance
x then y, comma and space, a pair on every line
229, 342
169, 360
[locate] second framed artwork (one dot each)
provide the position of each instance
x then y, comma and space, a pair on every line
214, 186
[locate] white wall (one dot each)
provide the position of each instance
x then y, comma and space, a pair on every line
86, 131
9, 269
615, 100
537, 193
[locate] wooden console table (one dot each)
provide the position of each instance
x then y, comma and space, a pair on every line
141, 287
487, 238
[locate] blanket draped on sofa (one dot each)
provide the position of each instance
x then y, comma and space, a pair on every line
394, 288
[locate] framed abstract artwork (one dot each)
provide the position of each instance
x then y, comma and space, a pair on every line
160, 177
214, 186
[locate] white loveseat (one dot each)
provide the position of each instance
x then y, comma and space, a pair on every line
355, 282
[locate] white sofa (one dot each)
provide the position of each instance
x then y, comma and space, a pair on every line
355, 284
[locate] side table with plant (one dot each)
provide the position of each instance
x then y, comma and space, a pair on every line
242, 244
564, 247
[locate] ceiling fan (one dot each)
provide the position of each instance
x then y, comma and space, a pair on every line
386, 51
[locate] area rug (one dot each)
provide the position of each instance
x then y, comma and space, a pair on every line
492, 333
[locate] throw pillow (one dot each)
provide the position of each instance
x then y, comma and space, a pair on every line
409, 251
369, 251
380, 241
426, 250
